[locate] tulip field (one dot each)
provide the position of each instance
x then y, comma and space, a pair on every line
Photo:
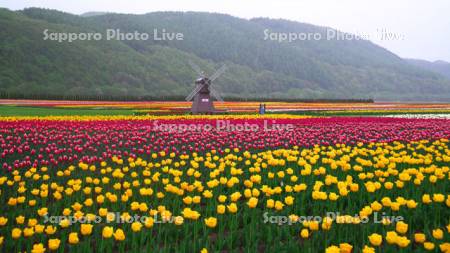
224, 183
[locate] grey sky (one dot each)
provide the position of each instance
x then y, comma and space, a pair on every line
422, 27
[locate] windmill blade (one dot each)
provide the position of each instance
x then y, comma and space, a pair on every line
215, 94
194, 92
196, 68
218, 73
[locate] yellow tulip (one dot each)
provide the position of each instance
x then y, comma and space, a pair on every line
190, 214
235, 196
102, 212
252, 202
445, 247
207, 194
232, 208
107, 232
136, 226
119, 235
314, 225
289, 200
77, 206
426, 199
50, 230
419, 237
402, 241
438, 198
411, 204
368, 249
53, 244
196, 199
438, 233
401, 227
222, 198
16, 233
279, 205
211, 222
304, 233
345, 248
20, 219
332, 249
375, 239
428, 245
67, 211
187, 200
326, 223
220, 209
149, 222
86, 229
3, 221
39, 228
73, 238
391, 237
43, 211
333, 196
64, 223
178, 220
32, 222
38, 248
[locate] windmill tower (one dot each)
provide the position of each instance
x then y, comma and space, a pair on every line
201, 95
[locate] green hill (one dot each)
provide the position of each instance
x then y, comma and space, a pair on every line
257, 67
440, 67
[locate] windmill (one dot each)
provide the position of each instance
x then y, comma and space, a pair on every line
201, 95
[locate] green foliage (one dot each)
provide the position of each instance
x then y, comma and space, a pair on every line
31, 66
440, 67
48, 111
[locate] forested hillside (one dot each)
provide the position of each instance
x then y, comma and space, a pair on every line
440, 67
257, 67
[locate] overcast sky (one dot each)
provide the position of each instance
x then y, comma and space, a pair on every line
421, 28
